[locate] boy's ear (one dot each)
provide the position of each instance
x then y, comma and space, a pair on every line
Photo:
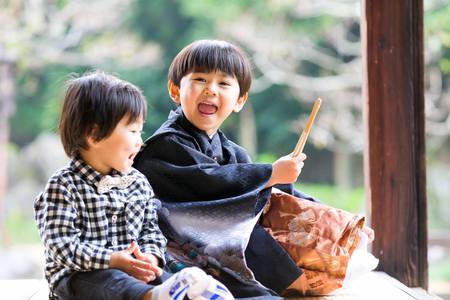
240, 103
91, 142
90, 139
174, 91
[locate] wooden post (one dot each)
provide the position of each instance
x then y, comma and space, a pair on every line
392, 34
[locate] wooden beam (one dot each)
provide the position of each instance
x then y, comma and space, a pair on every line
392, 34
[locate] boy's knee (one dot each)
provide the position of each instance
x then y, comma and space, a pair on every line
103, 284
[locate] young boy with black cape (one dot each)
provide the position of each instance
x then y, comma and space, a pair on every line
212, 194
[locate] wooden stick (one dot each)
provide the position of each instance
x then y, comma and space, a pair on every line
302, 140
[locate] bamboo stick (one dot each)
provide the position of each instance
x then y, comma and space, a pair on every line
304, 136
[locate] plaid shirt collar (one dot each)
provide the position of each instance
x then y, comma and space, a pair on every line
78, 165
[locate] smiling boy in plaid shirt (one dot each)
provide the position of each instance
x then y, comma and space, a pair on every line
97, 216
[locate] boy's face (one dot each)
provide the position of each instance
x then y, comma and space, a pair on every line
207, 99
118, 150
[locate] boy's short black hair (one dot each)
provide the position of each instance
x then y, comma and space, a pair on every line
93, 106
211, 55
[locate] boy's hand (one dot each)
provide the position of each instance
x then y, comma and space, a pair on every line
286, 169
150, 258
139, 269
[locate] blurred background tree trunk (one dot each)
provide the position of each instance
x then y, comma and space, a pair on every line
7, 95
247, 130
342, 174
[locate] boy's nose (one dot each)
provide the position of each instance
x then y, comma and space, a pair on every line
139, 141
210, 91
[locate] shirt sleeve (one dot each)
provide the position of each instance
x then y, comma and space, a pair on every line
56, 217
180, 172
151, 239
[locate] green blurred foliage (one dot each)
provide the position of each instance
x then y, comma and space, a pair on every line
21, 229
440, 271
274, 123
38, 101
162, 21
351, 200
438, 27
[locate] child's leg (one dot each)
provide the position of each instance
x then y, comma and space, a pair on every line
103, 284
115, 284
246, 290
271, 264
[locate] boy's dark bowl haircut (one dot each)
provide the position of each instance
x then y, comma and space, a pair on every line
93, 106
212, 55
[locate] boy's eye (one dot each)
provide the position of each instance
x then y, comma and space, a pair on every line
199, 79
225, 83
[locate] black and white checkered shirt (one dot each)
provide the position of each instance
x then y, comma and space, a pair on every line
81, 228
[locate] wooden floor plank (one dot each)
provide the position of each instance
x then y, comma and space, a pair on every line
375, 285
24, 289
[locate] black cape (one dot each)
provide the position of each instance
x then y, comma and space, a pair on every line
213, 194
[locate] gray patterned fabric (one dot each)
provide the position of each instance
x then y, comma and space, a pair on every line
218, 230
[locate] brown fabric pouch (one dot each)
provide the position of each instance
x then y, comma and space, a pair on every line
319, 238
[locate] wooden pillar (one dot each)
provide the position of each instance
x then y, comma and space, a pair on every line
392, 34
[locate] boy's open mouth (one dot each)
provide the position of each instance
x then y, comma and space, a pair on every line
207, 108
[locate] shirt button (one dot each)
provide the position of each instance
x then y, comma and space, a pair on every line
114, 242
114, 218
215, 158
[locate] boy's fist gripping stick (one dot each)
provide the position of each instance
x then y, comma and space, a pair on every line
302, 140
